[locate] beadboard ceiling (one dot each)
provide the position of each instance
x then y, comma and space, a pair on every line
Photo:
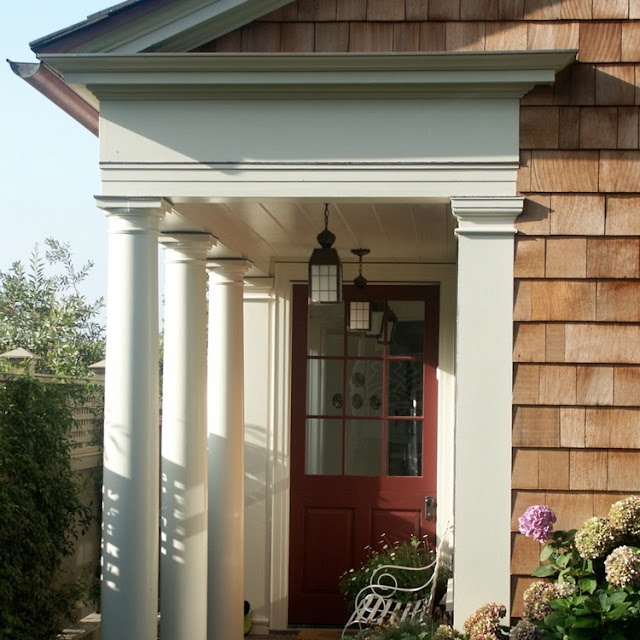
268, 232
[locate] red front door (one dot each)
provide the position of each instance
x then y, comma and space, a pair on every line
363, 437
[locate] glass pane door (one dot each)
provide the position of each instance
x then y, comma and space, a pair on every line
365, 396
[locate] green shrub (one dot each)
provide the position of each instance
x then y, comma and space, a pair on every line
41, 514
592, 579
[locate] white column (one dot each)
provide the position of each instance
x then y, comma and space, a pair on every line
183, 547
131, 438
226, 450
482, 503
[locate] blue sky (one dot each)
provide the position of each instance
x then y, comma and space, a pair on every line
48, 163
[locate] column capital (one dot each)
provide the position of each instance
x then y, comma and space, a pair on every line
186, 246
132, 204
133, 214
229, 270
259, 288
492, 215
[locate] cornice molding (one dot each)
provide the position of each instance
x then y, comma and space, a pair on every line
169, 76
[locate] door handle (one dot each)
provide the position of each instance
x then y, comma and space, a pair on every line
429, 508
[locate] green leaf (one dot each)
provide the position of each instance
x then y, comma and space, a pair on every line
582, 634
616, 597
555, 620
544, 571
619, 611
586, 623
588, 584
563, 559
546, 552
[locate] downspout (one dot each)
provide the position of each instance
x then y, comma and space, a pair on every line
53, 87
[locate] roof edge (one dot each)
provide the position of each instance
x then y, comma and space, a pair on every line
189, 62
97, 24
49, 84
205, 75
154, 25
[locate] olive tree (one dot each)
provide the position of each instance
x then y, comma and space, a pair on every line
43, 310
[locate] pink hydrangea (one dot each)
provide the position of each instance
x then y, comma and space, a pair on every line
537, 522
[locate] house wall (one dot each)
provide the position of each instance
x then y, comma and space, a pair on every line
577, 261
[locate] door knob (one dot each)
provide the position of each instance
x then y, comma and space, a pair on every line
429, 508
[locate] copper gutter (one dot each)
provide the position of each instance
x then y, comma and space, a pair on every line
53, 87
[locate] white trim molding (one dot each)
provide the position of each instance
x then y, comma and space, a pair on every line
171, 76
482, 502
286, 274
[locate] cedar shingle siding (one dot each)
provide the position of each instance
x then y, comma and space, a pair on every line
576, 426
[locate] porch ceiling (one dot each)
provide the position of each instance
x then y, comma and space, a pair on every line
277, 231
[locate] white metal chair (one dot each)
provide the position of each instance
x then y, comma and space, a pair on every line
377, 603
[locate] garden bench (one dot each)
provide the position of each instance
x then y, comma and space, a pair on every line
378, 605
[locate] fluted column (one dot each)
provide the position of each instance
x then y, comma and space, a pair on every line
131, 433
183, 546
482, 503
226, 449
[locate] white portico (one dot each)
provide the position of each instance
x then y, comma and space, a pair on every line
230, 146
226, 160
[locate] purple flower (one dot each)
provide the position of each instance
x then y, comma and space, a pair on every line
537, 522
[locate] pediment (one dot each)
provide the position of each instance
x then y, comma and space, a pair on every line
138, 26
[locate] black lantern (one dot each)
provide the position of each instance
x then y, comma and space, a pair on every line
325, 268
377, 318
360, 310
391, 324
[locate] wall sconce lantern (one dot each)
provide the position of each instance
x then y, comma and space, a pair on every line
325, 268
360, 310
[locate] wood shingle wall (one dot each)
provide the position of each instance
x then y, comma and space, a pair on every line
576, 426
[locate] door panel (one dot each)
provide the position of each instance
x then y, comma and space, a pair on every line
363, 436
322, 562
395, 524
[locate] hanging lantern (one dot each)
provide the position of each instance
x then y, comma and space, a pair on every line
376, 329
325, 268
360, 310
390, 326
